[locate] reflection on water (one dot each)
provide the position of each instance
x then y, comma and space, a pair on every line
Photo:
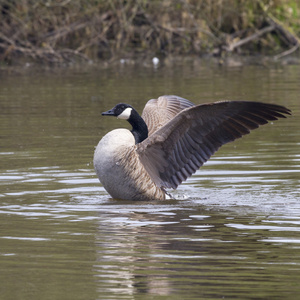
233, 232
210, 251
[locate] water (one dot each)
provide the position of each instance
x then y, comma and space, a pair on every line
237, 236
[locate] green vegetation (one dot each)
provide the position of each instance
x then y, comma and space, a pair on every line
58, 31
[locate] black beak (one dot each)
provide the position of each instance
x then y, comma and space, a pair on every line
108, 113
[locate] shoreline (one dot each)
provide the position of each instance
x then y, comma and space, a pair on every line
83, 31
230, 61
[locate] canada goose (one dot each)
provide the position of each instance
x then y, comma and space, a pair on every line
170, 141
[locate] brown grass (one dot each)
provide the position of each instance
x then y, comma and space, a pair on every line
59, 31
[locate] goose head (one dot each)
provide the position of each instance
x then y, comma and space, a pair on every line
127, 112
121, 111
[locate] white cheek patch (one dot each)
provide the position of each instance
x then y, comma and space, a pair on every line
125, 115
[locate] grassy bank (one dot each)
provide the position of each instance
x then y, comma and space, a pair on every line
56, 31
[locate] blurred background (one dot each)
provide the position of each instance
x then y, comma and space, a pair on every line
56, 31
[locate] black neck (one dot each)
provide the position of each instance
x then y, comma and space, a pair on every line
139, 127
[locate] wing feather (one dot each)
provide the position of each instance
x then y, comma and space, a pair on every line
174, 151
158, 112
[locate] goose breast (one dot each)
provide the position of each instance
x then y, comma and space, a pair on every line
120, 170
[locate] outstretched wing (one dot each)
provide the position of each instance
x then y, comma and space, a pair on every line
176, 150
158, 112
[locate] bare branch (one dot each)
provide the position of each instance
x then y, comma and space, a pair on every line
250, 38
287, 52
